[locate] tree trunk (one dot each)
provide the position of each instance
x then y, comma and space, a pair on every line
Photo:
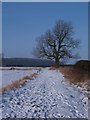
57, 62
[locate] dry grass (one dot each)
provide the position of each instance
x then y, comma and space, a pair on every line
17, 83
77, 76
13, 85
26, 68
16, 68
53, 68
29, 77
74, 75
20, 68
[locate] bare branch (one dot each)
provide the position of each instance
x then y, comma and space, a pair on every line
57, 43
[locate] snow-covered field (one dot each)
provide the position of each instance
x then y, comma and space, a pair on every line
48, 95
9, 76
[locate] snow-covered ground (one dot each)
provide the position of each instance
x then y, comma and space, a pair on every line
46, 96
9, 76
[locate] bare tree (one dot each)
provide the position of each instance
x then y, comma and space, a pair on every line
58, 43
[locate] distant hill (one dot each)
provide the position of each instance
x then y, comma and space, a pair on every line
26, 62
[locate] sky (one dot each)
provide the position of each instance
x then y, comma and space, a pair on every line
24, 22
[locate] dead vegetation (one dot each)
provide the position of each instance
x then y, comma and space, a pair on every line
17, 83
29, 77
54, 68
77, 74
21, 68
15, 68
83, 64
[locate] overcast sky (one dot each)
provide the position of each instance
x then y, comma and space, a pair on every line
24, 22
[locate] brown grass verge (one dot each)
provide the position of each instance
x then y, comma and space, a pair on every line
54, 68
74, 75
77, 76
19, 68
16, 68
17, 83
26, 68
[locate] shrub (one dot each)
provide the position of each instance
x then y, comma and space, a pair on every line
83, 64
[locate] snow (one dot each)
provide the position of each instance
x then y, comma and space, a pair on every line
0, 78
9, 76
48, 95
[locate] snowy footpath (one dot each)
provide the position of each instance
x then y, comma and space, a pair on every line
46, 96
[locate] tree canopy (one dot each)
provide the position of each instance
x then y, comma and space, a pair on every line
58, 43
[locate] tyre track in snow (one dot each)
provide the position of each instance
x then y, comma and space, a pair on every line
47, 96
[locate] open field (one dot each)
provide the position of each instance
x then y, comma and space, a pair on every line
9, 76
14, 77
47, 95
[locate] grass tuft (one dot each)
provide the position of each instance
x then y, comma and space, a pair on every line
18, 83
